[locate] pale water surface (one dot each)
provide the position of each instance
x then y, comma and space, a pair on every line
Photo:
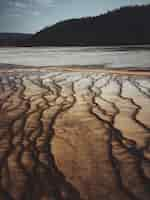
131, 56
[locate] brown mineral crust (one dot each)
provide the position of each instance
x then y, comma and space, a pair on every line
74, 134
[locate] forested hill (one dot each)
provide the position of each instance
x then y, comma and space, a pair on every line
127, 25
124, 26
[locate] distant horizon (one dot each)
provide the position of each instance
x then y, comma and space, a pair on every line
29, 17
31, 33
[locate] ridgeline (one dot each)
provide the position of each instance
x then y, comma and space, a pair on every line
123, 26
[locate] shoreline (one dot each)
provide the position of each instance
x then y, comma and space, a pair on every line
142, 71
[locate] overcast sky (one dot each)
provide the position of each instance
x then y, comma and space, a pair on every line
32, 15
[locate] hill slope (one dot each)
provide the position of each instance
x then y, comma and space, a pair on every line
127, 25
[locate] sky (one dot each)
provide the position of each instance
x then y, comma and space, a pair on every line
29, 16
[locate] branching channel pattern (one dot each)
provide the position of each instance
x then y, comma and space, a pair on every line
74, 135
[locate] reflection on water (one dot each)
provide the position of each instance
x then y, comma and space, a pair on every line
129, 56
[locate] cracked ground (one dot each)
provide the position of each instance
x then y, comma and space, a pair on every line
74, 135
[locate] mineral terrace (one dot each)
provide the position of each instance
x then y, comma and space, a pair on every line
74, 134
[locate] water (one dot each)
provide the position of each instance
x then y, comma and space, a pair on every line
131, 56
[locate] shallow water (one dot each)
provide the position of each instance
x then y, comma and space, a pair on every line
130, 56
